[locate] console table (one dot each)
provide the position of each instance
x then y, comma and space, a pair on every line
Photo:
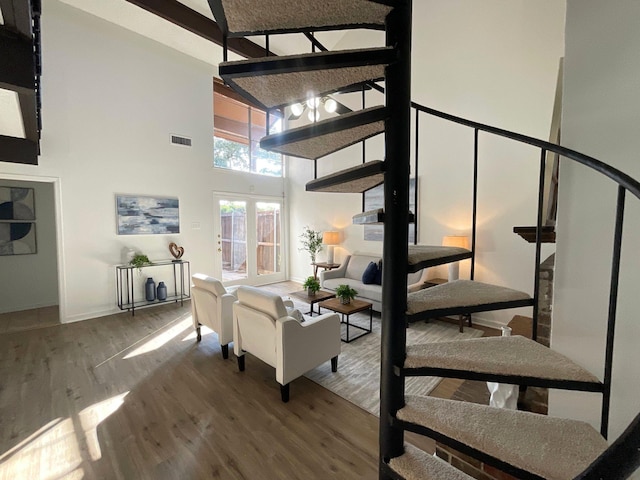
125, 284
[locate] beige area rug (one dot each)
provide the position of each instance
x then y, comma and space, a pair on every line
358, 375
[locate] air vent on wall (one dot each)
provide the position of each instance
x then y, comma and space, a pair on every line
183, 141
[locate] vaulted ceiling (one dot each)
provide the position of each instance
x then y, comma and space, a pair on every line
187, 26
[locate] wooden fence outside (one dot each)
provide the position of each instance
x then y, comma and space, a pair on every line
234, 242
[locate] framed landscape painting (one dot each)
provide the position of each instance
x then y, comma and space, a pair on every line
143, 215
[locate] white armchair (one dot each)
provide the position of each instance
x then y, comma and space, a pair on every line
212, 306
262, 327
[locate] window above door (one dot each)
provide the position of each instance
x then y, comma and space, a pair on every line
238, 127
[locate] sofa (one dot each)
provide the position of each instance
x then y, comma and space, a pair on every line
350, 273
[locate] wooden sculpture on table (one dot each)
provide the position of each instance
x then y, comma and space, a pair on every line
176, 251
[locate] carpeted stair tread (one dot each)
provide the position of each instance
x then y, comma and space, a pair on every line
515, 356
424, 256
552, 448
416, 464
463, 296
243, 17
374, 217
351, 180
327, 136
272, 82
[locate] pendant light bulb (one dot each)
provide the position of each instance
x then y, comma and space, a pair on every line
313, 115
313, 102
297, 109
330, 105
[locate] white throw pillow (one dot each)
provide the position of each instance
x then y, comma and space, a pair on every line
295, 313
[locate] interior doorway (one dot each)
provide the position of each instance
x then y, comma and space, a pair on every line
29, 257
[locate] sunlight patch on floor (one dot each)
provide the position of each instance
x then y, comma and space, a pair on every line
54, 452
204, 331
92, 416
160, 339
50, 453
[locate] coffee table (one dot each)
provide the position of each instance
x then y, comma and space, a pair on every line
312, 299
354, 306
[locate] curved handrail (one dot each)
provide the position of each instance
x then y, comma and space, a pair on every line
613, 173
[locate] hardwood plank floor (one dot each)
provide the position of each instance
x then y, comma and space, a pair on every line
137, 397
123, 397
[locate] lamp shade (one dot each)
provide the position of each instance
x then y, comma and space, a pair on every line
331, 238
456, 241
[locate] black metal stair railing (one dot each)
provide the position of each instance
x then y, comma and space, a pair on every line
393, 346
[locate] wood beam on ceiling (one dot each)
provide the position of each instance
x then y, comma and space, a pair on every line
18, 150
16, 58
181, 15
17, 15
29, 119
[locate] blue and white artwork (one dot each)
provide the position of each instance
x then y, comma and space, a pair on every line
17, 238
17, 204
141, 215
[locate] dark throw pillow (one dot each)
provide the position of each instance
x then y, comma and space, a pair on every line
378, 280
369, 274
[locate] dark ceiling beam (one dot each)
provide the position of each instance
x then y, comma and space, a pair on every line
181, 15
29, 119
16, 58
17, 15
18, 150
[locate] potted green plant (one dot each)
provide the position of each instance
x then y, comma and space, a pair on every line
345, 293
311, 242
312, 285
139, 260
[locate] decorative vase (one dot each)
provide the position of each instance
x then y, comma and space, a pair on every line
150, 290
345, 300
161, 292
310, 292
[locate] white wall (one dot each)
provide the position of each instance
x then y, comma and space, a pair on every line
600, 118
111, 98
495, 62
31, 281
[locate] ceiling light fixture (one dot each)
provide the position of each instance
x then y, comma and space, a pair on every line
313, 105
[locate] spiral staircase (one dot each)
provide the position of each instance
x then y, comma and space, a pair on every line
524, 444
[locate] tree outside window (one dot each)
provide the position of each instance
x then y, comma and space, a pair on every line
238, 128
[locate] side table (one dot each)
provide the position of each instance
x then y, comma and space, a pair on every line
312, 299
325, 266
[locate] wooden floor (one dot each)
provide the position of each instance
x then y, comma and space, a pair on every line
123, 397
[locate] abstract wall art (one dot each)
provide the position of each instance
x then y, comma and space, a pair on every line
17, 204
17, 233
17, 238
143, 215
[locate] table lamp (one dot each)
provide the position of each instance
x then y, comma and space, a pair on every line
330, 239
455, 241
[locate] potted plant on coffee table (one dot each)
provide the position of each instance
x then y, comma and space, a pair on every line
345, 293
311, 285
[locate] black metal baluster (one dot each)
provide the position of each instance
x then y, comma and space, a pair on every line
536, 279
415, 174
613, 305
474, 214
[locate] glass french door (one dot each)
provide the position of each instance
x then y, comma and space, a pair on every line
248, 240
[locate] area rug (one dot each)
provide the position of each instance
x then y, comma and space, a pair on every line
358, 377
